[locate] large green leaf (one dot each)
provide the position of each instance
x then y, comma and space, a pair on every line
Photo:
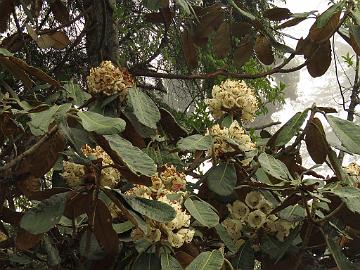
53, 256
274, 167
89, 247
135, 159
44, 215
92, 121
288, 130
225, 237
244, 258
194, 142
168, 262
144, 108
347, 132
350, 196
202, 212
222, 179
147, 261
40, 121
208, 260
342, 262
155, 210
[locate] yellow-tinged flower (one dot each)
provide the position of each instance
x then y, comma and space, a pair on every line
73, 174
233, 96
238, 210
253, 199
108, 79
256, 219
265, 206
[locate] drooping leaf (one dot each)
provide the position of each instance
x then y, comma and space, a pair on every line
202, 212
274, 167
135, 159
194, 142
25, 240
103, 230
315, 140
189, 49
92, 121
263, 50
171, 126
144, 108
45, 215
244, 258
342, 262
222, 179
60, 11
222, 41
155, 210
347, 132
209, 260
277, 14
320, 60
288, 130
326, 24
168, 262
244, 51
291, 22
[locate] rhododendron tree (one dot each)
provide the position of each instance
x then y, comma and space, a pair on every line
97, 172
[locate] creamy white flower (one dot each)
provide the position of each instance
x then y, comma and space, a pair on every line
238, 210
256, 219
253, 199
109, 80
265, 206
235, 96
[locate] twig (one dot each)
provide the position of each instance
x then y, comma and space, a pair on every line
264, 126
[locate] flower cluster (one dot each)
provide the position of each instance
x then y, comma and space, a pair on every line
252, 215
166, 187
227, 140
353, 169
109, 80
74, 173
233, 96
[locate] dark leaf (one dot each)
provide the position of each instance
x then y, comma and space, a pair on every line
25, 240
320, 61
277, 14
244, 258
189, 49
222, 179
240, 29
244, 51
147, 261
263, 50
326, 24
103, 229
315, 140
60, 11
342, 262
291, 22
222, 41
6, 7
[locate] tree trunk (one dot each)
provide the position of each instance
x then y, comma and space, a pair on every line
101, 36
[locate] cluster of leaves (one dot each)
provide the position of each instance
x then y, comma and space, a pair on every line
56, 226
